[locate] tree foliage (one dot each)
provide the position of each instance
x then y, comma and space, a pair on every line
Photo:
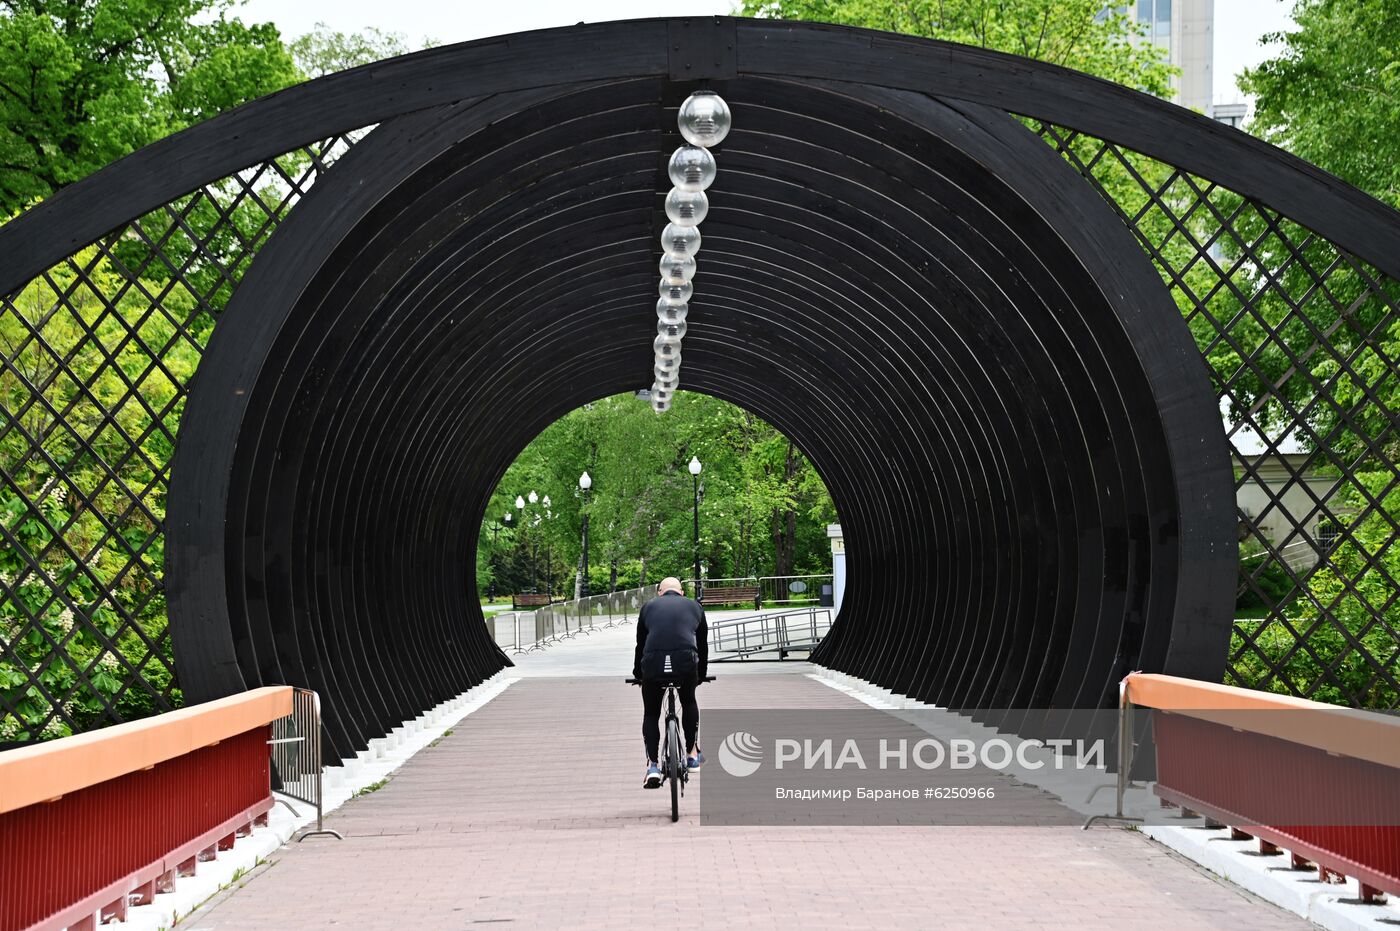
326, 51
1078, 34
84, 82
763, 510
84, 461
1332, 95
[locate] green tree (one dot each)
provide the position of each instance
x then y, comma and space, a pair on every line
764, 510
1079, 34
84, 82
1332, 95
325, 51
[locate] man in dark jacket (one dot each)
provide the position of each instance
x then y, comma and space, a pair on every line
672, 646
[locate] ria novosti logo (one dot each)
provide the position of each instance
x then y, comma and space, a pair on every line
740, 754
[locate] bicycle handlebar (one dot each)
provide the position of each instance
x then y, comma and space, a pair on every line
639, 681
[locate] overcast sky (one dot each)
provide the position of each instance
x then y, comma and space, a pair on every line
1238, 23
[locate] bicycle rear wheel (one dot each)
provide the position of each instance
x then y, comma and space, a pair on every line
674, 765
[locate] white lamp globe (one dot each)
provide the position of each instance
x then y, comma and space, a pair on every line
585, 481
675, 290
671, 312
704, 119
686, 208
680, 240
674, 265
692, 168
694, 465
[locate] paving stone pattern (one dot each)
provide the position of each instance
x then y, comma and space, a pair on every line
530, 814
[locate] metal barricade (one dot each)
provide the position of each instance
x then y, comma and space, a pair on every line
780, 633
296, 758
565, 620
791, 589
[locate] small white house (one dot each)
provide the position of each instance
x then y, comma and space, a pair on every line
1286, 494
838, 564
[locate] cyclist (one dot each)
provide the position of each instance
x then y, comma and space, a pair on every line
672, 645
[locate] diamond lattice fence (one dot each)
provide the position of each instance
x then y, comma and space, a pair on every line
96, 357
1301, 341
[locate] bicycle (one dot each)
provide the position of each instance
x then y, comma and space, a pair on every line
673, 768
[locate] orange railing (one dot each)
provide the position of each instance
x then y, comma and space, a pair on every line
92, 823
1320, 781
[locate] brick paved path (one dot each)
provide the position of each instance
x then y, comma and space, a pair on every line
531, 815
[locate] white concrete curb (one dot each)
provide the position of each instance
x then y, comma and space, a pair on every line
1070, 784
1268, 877
1298, 891
384, 755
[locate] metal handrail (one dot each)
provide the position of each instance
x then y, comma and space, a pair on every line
767, 633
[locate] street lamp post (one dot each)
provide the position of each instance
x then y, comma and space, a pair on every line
534, 563
509, 520
495, 559
585, 482
548, 550
695, 480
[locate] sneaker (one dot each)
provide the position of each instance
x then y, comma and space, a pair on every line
693, 763
653, 777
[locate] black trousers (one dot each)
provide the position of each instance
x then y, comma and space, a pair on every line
653, 694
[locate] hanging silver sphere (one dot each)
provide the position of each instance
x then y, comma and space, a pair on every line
692, 168
704, 119
680, 240
686, 208
677, 266
675, 290
671, 311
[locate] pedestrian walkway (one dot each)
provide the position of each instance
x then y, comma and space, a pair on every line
530, 814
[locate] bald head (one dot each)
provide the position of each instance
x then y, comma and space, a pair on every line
669, 584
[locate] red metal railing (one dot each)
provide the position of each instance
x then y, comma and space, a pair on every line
1320, 781
184, 788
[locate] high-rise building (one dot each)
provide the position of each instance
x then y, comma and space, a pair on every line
1185, 32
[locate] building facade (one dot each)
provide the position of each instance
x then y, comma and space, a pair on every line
1185, 32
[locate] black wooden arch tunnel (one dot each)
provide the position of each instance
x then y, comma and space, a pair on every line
882, 279
1017, 429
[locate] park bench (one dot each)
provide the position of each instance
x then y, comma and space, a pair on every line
529, 601
737, 594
